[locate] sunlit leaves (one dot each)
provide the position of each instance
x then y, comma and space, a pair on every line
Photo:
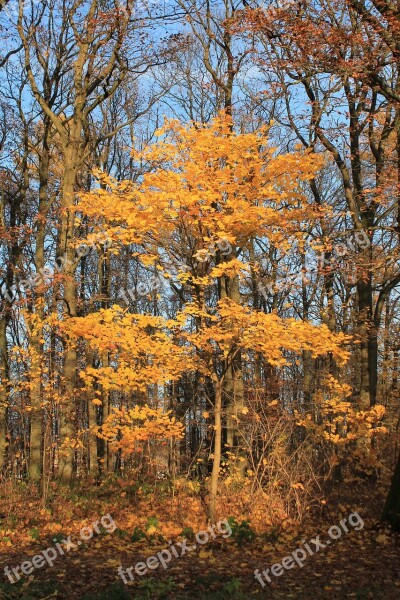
126, 430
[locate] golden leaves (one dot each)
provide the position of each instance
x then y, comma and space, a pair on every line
235, 325
123, 428
141, 348
211, 182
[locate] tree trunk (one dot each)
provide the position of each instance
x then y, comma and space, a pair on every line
93, 440
217, 452
105, 287
36, 429
364, 292
391, 511
3, 391
67, 429
233, 394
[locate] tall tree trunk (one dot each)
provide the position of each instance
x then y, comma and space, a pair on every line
233, 390
364, 293
37, 416
217, 451
68, 411
93, 440
105, 288
3, 390
391, 511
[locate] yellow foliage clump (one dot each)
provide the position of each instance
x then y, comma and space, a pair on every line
125, 428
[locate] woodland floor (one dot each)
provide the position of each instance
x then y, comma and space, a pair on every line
361, 564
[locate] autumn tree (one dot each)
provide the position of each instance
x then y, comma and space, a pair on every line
87, 49
317, 54
210, 183
222, 56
